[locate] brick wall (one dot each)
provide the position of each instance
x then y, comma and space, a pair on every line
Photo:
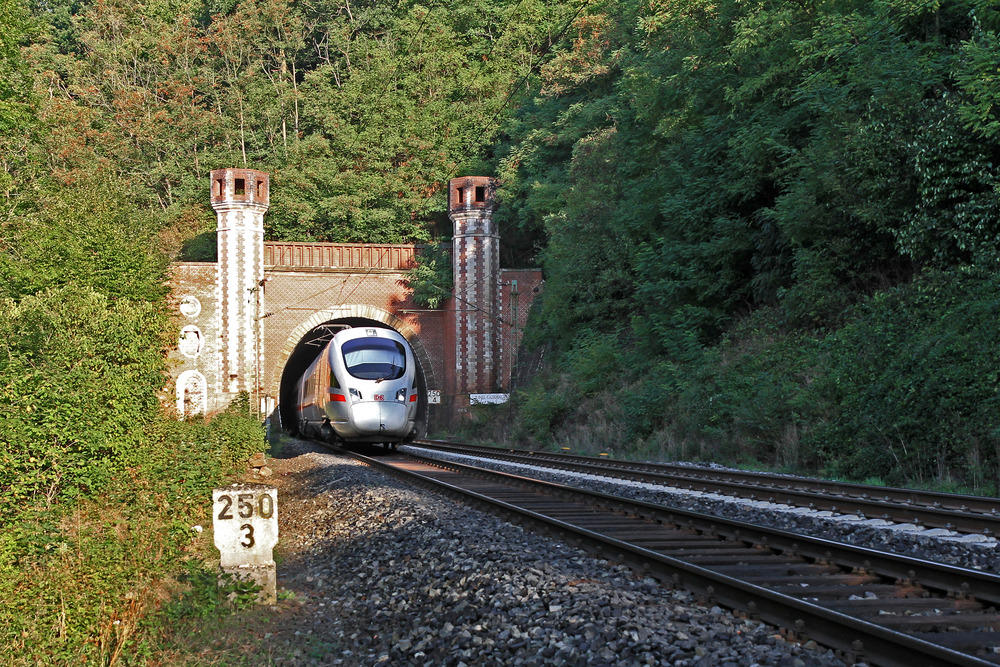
280, 294
514, 316
476, 266
196, 356
240, 198
340, 255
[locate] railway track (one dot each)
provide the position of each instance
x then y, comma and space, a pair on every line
881, 608
960, 513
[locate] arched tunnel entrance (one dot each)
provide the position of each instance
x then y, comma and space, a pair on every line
312, 343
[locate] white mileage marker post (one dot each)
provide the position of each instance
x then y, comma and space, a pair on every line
245, 519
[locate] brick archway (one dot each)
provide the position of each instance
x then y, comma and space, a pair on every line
249, 320
352, 311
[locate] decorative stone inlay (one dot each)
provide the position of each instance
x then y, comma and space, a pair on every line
190, 306
190, 341
192, 394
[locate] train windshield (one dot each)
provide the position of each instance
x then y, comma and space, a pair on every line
374, 358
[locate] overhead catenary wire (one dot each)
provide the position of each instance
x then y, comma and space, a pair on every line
327, 289
473, 306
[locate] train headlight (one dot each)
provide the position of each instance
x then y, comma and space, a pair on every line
355, 395
401, 395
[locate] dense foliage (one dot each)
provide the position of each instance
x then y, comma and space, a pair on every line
721, 187
712, 158
360, 111
106, 580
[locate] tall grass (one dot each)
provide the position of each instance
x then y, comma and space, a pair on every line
101, 580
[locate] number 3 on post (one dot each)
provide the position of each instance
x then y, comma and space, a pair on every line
246, 524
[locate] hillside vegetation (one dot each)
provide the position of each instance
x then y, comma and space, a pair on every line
769, 231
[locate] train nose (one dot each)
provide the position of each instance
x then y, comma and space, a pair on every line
379, 416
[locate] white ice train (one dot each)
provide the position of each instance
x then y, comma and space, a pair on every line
361, 388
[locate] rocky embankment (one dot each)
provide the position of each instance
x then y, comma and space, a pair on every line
374, 572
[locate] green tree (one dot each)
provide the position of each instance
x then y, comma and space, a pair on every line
431, 281
88, 235
565, 167
79, 381
359, 111
15, 82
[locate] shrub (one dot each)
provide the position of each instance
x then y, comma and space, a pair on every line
541, 407
236, 434
104, 580
915, 376
593, 363
79, 377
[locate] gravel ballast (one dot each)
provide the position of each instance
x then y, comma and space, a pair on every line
373, 571
976, 552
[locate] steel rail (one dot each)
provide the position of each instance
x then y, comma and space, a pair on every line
848, 633
965, 514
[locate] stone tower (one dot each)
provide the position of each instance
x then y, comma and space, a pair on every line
476, 264
240, 198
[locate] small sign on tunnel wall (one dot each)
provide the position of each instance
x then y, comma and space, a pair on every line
487, 399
